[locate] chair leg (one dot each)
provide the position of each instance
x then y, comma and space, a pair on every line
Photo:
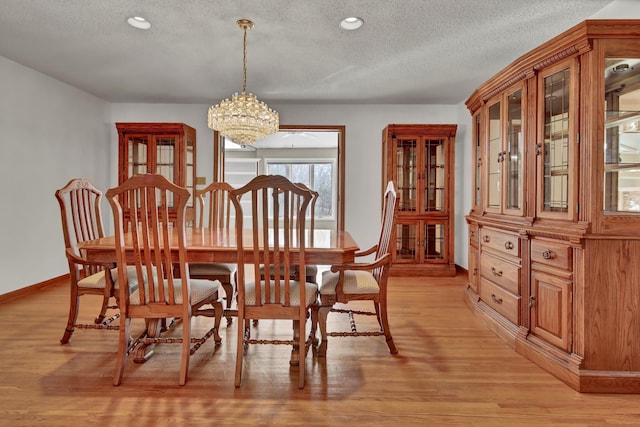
74, 303
314, 325
323, 313
103, 310
239, 351
302, 353
123, 347
295, 351
186, 346
229, 294
385, 327
217, 310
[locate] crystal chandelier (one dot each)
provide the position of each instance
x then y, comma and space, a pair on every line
244, 119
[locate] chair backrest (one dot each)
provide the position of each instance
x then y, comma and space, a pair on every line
79, 204
148, 199
311, 212
277, 226
214, 205
389, 214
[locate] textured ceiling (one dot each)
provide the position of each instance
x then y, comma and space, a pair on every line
408, 51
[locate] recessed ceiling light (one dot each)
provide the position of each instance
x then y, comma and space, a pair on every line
139, 22
351, 23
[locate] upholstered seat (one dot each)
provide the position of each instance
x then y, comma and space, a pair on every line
354, 282
201, 290
311, 290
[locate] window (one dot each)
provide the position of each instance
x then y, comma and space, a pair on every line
317, 174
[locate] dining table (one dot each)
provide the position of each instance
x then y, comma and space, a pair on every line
322, 247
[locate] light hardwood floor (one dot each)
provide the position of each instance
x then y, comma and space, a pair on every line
450, 370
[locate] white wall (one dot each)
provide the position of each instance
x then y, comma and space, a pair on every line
50, 132
364, 125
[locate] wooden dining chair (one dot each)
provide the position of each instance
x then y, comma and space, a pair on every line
214, 212
79, 202
273, 244
165, 289
361, 281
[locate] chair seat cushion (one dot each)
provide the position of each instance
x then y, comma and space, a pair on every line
201, 289
97, 280
311, 293
355, 282
210, 268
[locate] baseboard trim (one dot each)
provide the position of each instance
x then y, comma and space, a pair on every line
19, 293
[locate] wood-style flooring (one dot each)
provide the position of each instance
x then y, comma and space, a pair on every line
450, 370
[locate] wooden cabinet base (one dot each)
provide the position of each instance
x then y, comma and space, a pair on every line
564, 366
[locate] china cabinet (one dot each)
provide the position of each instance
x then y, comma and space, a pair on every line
419, 160
165, 148
554, 225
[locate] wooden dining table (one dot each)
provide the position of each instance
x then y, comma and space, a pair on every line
219, 245
324, 247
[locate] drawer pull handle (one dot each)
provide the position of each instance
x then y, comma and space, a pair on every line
475, 271
496, 300
485, 239
548, 254
496, 272
508, 245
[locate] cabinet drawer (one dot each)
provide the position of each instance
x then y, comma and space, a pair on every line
500, 241
502, 301
551, 252
501, 272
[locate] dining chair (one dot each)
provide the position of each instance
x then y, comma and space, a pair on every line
361, 281
214, 212
165, 290
79, 202
276, 242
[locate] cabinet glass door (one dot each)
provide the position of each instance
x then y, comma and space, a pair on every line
622, 136
555, 151
166, 157
494, 156
137, 155
406, 242
406, 173
434, 242
434, 175
513, 154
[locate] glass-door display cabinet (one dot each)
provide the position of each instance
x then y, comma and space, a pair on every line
168, 149
554, 225
419, 160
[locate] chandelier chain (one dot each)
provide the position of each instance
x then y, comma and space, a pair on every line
244, 60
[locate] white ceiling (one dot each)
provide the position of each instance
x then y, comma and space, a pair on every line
407, 52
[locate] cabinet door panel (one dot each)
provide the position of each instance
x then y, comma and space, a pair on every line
551, 309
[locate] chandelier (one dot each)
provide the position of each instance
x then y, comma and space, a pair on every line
243, 118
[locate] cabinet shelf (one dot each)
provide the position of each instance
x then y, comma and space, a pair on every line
613, 167
618, 118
